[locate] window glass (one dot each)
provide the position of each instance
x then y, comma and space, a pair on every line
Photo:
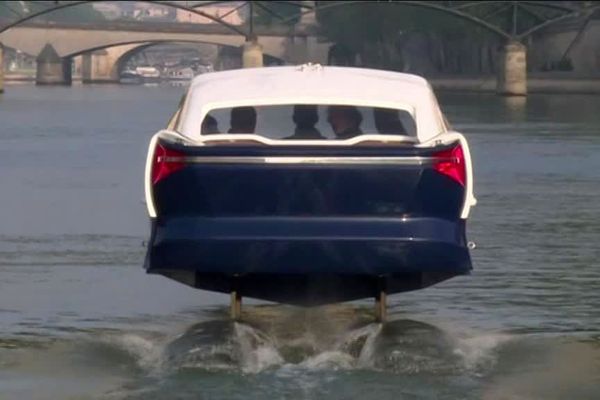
309, 122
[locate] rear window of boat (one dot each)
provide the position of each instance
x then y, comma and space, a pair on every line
309, 122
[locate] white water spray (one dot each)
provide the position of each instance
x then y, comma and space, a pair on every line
257, 350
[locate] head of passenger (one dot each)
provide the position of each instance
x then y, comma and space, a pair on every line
209, 125
345, 121
243, 120
387, 122
305, 116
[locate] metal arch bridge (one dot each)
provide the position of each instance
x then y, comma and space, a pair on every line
511, 20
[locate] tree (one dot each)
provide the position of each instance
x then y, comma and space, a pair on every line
377, 31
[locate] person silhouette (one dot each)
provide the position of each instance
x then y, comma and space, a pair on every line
345, 121
243, 120
387, 122
305, 117
209, 125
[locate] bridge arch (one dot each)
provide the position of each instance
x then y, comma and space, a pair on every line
105, 63
419, 4
235, 51
156, 41
566, 12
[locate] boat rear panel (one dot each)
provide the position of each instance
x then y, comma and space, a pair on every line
293, 223
307, 181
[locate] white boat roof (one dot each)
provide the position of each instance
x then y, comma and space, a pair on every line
312, 84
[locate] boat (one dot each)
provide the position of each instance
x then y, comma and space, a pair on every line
139, 75
179, 74
130, 76
309, 185
203, 69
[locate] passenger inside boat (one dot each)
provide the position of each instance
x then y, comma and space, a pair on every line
305, 117
345, 121
387, 122
243, 120
209, 125
308, 121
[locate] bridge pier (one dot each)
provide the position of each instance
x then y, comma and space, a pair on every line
340, 55
51, 68
307, 20
512, 70
303, 45
301, 49
252, 54
229, 58
98, 67
1, 68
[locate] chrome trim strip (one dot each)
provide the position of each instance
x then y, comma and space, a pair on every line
307, 160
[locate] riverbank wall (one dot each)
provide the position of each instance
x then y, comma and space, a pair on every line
534, 85
486, 84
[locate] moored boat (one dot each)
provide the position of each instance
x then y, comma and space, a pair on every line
130, 76
179, 74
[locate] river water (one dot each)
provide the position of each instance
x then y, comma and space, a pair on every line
80, 319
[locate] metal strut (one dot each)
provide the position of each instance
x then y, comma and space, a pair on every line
381, 302
236, 305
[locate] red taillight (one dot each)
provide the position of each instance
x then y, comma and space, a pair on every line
166, 161
451, 163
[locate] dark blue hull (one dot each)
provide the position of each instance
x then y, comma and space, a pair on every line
309, 261
307, 233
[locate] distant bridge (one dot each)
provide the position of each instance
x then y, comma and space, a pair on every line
105, 46
74, 39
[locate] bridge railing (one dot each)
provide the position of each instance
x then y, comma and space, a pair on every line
170, 27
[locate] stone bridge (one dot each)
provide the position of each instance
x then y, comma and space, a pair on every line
106, 47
